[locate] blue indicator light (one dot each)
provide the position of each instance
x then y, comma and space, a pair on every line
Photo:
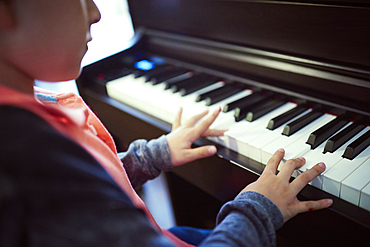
144, 65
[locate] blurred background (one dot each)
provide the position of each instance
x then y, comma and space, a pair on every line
111, 35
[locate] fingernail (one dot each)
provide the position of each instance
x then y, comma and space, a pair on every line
322, 165
302, 159
329, 202
212, 150
281, 150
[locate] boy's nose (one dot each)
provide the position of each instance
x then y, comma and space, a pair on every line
94, 13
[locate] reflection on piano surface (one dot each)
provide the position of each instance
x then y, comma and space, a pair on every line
306, 90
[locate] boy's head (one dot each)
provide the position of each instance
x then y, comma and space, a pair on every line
45, 39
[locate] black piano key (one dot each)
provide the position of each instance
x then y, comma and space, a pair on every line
169, 84
195, 87
343, 136
213, 99
177, 79
247, 101
241, 113
301, 122
356, 147
156, 70
195, 78
264, 109
193, 84
138, 73
166, 75
285, 117
214, 92
320, 135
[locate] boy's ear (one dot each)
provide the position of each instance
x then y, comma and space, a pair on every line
7, 17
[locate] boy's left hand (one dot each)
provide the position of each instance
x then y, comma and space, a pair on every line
182, 137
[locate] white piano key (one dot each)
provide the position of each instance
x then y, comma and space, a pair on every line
332, 179
164, 104
256, 145
294, 145
365, 198
155, 100
239, 128
124, 90
134, 92
154, 96
224, 119
192, 108
355, 182
330, 159
188, 103
173, 101
260, 128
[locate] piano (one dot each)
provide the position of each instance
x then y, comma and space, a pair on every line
292, 74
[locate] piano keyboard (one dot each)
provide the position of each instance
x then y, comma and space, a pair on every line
258, 122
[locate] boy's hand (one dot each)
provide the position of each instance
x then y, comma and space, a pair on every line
182, 137
283, 193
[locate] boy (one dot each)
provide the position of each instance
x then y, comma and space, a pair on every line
62, 182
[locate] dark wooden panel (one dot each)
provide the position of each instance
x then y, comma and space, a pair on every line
333, 31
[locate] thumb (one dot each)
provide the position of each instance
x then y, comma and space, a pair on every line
314, 205
205, 151
200, 152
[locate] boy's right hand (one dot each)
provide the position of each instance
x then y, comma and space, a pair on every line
184, 135
281, 192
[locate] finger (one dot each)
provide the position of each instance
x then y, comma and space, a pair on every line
313, 205
213, 132
289, 166
199, 152
177, 121
204, 125
192, 121
303, 179
274, 161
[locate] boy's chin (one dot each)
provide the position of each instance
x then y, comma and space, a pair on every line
60, 79
67, 75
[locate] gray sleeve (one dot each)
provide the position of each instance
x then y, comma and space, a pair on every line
145, 160
250, 220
